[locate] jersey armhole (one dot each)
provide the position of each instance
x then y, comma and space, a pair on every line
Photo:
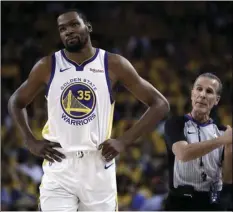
107, 77
51, 75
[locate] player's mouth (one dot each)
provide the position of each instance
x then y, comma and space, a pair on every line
72, 39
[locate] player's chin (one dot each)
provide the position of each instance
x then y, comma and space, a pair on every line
72, 44
73, 47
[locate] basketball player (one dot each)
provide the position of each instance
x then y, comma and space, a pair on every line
79, 173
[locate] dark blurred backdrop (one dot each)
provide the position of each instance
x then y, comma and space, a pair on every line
169, 44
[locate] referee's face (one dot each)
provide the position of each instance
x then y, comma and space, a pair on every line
204, 95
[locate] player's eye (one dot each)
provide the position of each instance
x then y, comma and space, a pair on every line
199, 88
75, 24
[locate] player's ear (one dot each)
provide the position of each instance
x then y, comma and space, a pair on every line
89, 27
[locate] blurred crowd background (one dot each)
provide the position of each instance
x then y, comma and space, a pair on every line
169, 44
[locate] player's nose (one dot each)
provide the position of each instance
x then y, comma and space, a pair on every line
69, 32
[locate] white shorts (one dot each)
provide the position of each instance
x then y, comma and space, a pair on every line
82, 181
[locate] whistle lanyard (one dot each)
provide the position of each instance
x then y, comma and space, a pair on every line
203, 174
199, 139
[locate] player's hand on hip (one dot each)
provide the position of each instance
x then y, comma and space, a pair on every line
45, 149
111, 148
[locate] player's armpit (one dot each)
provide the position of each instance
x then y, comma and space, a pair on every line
36, 81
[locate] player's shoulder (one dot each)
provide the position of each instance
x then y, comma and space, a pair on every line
46, 60
116, 59
43, 68
44, 65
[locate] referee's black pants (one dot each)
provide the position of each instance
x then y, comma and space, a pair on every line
200, 201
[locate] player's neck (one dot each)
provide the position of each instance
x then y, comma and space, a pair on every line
84, 54
201, 118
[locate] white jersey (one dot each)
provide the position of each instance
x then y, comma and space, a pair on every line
80, 106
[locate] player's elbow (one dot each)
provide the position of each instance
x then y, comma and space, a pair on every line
164, 104
13, 103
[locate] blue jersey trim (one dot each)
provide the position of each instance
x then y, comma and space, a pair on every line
107, 76
52, 73
77, 66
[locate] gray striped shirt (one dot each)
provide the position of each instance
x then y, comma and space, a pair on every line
190, 173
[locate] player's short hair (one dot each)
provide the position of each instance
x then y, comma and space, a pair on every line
81, 14
212, 76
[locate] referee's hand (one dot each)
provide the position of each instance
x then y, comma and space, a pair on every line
45, 149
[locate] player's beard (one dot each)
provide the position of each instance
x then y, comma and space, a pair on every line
79, 44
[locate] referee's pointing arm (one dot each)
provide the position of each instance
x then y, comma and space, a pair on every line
186, 152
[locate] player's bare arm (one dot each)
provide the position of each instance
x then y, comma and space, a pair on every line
24, 95
120, 69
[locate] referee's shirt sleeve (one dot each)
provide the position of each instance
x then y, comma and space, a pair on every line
174, 130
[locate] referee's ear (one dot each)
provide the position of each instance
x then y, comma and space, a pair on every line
217, 100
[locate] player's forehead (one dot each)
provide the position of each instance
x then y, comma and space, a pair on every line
68, 17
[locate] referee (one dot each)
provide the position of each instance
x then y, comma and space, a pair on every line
196, 156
